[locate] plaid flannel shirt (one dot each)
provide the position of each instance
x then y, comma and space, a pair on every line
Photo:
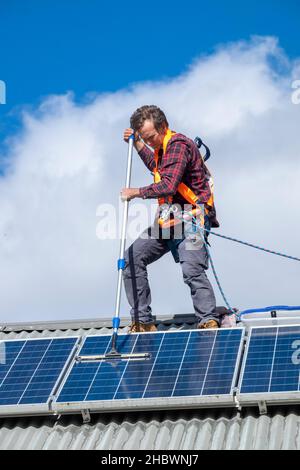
180, 163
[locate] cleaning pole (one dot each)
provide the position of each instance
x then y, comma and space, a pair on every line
113, 353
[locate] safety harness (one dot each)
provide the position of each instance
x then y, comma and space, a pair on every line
168, 216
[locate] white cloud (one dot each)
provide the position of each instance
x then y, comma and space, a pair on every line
70, 158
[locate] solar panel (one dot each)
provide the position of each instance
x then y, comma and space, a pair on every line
196, 363
30, 369
272, 361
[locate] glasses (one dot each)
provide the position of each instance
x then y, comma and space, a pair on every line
149, 139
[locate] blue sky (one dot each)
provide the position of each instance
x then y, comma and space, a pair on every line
53, 46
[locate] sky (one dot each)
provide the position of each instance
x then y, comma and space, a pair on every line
74, 73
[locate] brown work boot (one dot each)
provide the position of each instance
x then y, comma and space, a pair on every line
210, 324
137, 327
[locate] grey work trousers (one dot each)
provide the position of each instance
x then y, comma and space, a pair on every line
145, 250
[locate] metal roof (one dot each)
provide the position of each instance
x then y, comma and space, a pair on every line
214, 431
210, 428
86, 327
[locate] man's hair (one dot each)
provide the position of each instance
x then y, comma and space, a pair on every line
152, 113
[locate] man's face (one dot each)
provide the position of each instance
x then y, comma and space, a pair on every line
150, 135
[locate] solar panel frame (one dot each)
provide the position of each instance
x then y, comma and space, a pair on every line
22, 409
263, 396
174, 402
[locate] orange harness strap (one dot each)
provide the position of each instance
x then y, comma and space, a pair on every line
157, 178
183, 189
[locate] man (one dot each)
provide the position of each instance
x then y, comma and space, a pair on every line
177, 165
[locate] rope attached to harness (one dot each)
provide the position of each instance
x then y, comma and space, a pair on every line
202, 230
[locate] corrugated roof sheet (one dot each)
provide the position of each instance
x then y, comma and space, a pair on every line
104, 326
240, 433
86, 327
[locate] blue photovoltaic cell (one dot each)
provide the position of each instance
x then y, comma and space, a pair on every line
209, 364
273, 360
165, 371
184, 363
29, 369
9, 352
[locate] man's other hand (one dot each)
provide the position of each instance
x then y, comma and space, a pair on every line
127, 133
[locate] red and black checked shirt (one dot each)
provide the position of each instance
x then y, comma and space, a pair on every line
180, 163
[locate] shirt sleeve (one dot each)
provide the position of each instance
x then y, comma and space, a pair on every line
148, 157
171, 172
